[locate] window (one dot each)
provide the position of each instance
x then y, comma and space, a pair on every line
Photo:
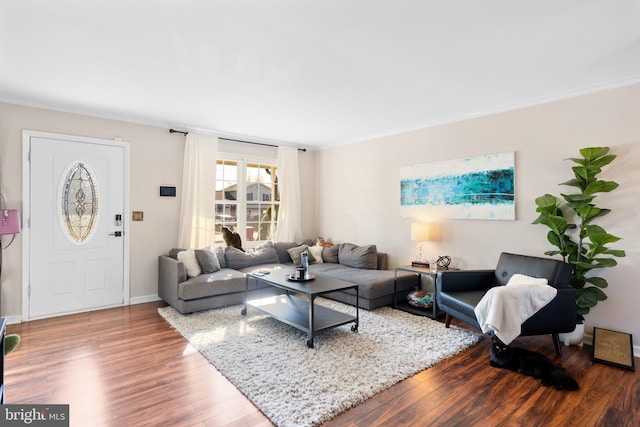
256, 212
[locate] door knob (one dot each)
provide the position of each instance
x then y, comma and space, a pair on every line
116, 233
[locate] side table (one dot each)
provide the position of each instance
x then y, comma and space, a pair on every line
404, 305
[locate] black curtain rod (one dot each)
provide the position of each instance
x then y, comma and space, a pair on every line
237, 140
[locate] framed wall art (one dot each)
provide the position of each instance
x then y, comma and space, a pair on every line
480, 187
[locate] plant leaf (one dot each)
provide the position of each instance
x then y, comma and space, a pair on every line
578, 199
591, 153
601, 187
547, 201
597, 281
615, 252
601, 239
604, 160
576, 182
589, 296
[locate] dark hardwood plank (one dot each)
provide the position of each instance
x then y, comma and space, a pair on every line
126, 366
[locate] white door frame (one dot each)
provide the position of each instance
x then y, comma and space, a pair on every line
26, 210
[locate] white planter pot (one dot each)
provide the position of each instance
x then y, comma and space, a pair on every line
574, 338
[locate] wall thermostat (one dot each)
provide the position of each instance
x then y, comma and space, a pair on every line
168, 191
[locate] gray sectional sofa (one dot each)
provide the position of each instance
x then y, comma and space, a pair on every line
195, 280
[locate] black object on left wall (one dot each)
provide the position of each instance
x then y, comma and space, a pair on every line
167, 191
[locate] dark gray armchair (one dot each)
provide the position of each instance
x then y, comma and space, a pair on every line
459, 291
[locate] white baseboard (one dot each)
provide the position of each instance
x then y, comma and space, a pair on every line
143, 299
12, 320
17, 318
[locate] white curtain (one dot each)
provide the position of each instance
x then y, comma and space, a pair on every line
289, 227
197, 213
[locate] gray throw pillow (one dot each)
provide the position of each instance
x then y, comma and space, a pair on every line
266, 244
173, 253
208, 261
358, 256
219, 251
236, 259
282, 249
296, 254
331, 254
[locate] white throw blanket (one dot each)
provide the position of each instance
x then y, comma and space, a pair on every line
503, 309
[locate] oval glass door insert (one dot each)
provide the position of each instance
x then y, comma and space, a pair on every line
79, 203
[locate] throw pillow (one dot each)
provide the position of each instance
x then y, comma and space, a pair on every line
283, 250
316, 252
296, 254
235, 258
190, 262
358, 256
331, 254
219, 251
207, 260
522, 279
173, 253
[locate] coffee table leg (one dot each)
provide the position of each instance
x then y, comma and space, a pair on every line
310, 335
354, 328
246, 291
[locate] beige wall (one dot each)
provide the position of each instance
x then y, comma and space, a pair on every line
358, 201
351, 193
156, 159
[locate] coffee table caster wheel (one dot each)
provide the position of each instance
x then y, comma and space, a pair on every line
354, 328
244, 312
310, 343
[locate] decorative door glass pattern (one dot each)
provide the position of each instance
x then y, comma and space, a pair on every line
79, 203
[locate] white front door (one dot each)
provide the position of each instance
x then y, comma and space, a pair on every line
77, 221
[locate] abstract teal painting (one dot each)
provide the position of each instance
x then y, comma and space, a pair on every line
480, 187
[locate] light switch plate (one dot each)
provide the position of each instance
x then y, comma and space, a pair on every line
137, 216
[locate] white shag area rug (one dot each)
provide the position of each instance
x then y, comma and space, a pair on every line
293, 385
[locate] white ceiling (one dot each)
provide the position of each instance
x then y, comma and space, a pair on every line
311, 73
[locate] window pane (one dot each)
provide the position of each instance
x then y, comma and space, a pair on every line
263, 221
226, 180
226, 190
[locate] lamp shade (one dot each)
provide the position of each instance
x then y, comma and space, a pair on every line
419, 232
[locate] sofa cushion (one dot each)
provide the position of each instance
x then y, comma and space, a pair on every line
296, 254
365, 257
207, 260
188, 258
237, 259
331, 254
221, 282
372, 283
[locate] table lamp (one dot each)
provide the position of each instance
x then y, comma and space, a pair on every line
420, 233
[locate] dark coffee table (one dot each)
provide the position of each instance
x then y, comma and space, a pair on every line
296, 305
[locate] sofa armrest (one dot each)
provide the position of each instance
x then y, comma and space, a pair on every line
171, 272
465, 280
559, 316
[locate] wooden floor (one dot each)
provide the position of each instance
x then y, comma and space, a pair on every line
126, 367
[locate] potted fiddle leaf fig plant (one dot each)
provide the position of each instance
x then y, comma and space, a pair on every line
572, 230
